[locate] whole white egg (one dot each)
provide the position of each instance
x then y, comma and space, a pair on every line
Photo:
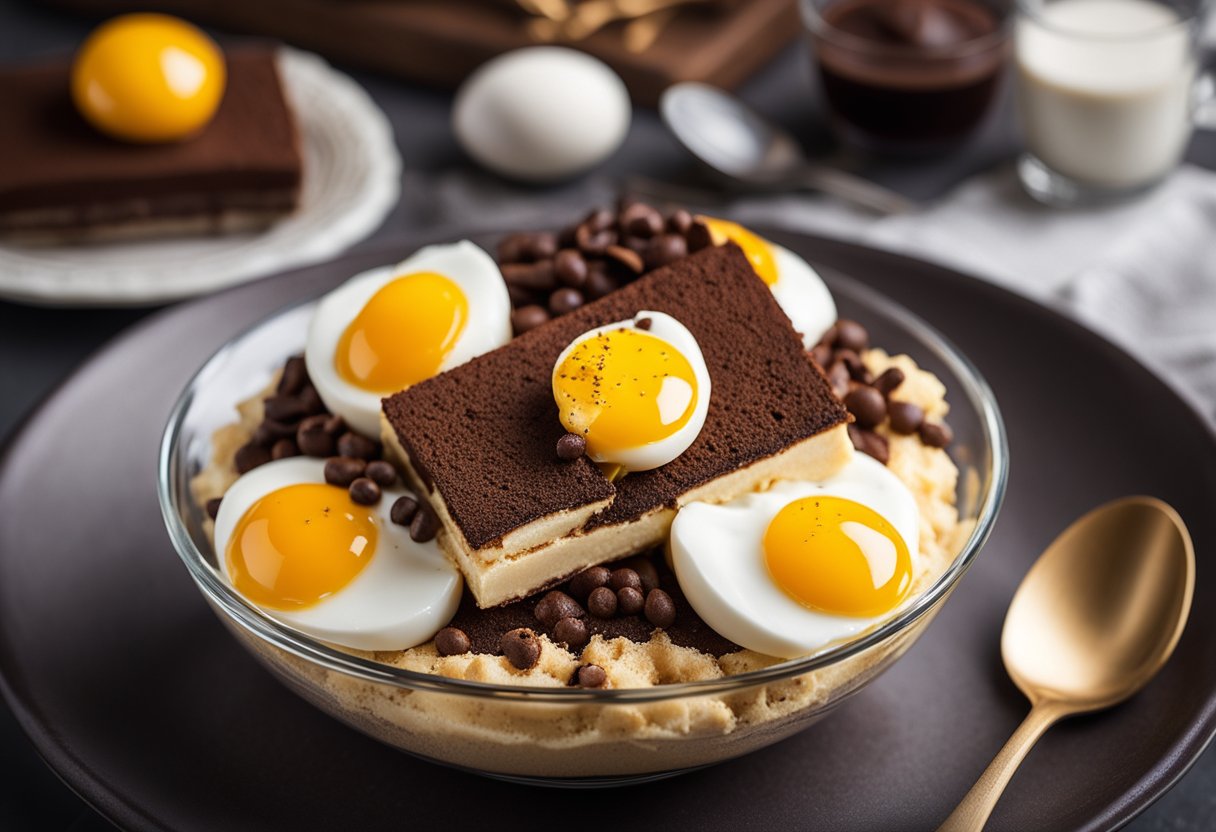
401, 321
393, 593
541, 113
719, 556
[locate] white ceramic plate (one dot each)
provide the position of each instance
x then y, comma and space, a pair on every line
352, 178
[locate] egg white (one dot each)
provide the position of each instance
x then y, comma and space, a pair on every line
802, 295
718, 556
487, 327
405, 594
655, 454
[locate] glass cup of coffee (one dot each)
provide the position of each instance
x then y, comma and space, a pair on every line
1108, 92
907, 76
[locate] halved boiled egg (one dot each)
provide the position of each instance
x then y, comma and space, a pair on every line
804, 565
312, 558
637, 391
390, 328
797, 287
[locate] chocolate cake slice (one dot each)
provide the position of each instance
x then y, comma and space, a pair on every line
480, 439
63, 181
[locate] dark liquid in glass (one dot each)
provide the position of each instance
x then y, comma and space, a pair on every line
909, 74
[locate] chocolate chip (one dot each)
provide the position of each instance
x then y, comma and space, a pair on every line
851, 360
313, 438
403, 510
535, 276
554, 606
382, 473
425, 524
602, 602
867, 405
514, 248
838, 378
936, 434
630, 601
870, 443
269, 431
358, 446
571, 446
644, 323
365, 491
285, 408
250, 456
520, 296
334, 424
599, 282
641, 220
645, 570
890, 379
213, 507
295, 376
284, 448
582, 584
565, 300
343, 470
851, 335
600, 219
821, 354
698, 236
660, 609
528, 317
452, 641
570, 268
664, 249
592, 676
541, 245
624, 577
571, 631
594, 242
521, 647
906, 418
311, 400
679, 222
627, 257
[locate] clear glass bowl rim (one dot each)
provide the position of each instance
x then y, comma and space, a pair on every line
261, 626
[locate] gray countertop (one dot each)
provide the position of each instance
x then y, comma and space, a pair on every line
39, 347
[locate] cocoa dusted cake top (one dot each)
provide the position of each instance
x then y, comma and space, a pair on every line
484, 434
54, 158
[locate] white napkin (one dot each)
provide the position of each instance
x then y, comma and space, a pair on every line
1143, 272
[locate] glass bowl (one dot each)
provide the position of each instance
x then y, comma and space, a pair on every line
574, 736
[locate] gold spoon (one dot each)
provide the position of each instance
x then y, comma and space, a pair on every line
1094, 619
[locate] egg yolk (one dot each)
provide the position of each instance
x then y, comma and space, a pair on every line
837, 556
757, 249
299, 545
148, 78
624, 388
403, 333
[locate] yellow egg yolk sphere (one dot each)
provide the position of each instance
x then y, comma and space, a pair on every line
148, 78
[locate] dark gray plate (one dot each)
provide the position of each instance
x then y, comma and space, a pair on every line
134, 693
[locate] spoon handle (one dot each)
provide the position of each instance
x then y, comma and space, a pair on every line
855, 189
973, 812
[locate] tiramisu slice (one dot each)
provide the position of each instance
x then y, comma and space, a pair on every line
480, 439
64, 181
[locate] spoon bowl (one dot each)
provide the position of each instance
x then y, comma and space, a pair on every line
1093, 621
1102, 609
747, 149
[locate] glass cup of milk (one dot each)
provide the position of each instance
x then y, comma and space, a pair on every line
1108, 92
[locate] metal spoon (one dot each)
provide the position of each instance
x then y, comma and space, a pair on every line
737, 142
1094, 619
